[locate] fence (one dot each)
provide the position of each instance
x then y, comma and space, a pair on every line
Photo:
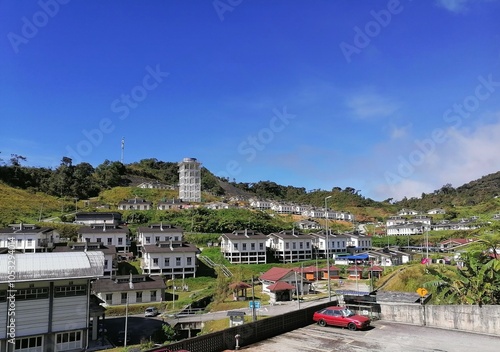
248, 333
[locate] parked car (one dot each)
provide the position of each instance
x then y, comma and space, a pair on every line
341, 316
151, 312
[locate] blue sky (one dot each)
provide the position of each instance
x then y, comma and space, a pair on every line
393, 98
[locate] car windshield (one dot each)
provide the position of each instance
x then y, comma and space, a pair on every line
347, 313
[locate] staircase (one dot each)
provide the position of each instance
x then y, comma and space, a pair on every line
211, 264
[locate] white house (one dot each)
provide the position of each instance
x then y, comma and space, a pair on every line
307, 225
337, 243
116, 291
283, 208
170, 259
109, 235
244, 246
169, 204
260, 204
52, 300
395, 220
135, 204
359, 241
290, 246
154, 233
406, 229
155, 185
436, 211
28, 238
91, 218
405, 211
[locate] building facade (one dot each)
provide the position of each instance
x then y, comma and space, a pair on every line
52, 301
244, 246
190, 180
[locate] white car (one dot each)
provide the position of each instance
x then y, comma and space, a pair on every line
151, 312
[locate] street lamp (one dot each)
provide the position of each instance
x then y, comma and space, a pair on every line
327, 251
130, 286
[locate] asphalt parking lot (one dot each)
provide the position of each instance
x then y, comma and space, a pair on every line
382, 336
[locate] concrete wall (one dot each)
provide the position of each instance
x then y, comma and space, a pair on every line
472, 318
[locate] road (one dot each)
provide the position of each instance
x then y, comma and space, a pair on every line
382, 337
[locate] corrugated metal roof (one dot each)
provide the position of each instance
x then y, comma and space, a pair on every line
50, 266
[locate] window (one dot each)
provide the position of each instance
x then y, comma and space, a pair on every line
287, 245
244, 246
30, 344
19, 242
124, 297
120, 241
30, 242
307, 245
110, 241
189, 261
235, 246
138, 296
153, 295
69, 341
148, 240
252, 246
294, 245
98, 239
155, 261
301, 245
261, 246
105, 263
178, 261
32, 293
74, 290
167, 261
109, 298
157, 239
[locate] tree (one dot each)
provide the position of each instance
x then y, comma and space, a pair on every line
477, 282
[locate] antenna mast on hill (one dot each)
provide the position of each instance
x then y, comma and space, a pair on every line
123, 148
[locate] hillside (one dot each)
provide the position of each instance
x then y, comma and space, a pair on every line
17, 205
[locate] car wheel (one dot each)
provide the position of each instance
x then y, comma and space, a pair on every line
322, 322
351, 326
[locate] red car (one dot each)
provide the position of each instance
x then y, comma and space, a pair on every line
341, 316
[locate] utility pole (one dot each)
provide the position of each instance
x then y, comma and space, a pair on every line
254, 316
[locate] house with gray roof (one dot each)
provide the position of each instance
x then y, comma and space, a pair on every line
244, 246
28, 238
131, 288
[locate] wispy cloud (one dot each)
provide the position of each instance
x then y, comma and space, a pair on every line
371, 105
468, 154
399, 132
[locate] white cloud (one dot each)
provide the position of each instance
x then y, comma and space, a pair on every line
369, 105
399, 132
466, 155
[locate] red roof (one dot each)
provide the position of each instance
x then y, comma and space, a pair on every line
281, 286
456, 240
332, 268
239, 285
275, 274
355, 268
375, 268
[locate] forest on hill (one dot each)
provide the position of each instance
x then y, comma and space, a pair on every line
83, 181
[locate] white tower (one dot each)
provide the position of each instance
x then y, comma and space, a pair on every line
190, 180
